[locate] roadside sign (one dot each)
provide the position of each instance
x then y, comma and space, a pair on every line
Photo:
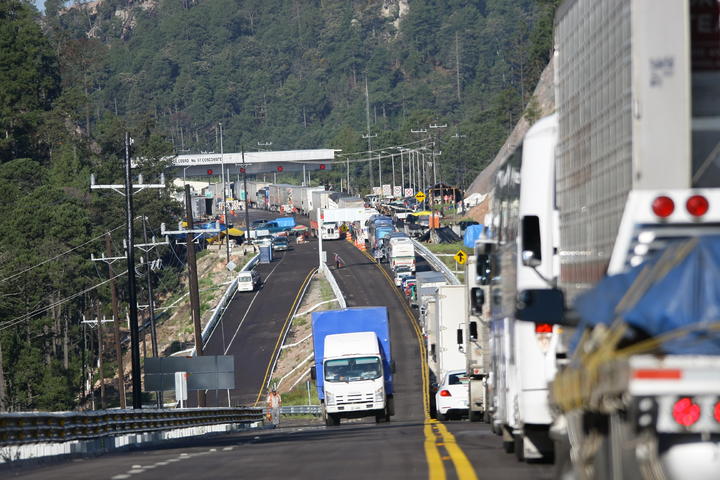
420, 196
397, 191
408, 192
460, 257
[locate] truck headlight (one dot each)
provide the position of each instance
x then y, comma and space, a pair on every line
330, 398
379, 394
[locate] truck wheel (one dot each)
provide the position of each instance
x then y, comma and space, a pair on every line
332, 420
381, 417
442, 417
518, 441
391, 407
508, 446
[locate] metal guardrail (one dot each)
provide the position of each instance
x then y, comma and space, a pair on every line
436, 263
298, 410
333, 284
30, 427
220, 309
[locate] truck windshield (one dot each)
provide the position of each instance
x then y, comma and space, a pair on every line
353, 369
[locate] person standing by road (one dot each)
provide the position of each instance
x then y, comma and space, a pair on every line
274, 402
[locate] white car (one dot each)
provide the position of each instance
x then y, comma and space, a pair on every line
451, 399
248, 281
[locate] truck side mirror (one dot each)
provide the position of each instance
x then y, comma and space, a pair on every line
473, 331
531, 252
477, 300
460, 336
313, 373
542, 306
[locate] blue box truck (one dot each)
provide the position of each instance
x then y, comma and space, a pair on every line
353, 363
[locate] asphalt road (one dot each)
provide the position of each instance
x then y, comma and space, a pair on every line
253, 322
410, 446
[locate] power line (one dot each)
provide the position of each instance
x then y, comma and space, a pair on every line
3, 280
9, 323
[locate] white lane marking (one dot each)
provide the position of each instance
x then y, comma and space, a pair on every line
250, 306
212, 450
227, 449
121, 476
161, 464
184, 454
136, 466
136, 470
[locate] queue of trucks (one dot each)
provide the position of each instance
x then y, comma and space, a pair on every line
591, 331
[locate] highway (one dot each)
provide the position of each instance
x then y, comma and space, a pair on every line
410, 446
252, 324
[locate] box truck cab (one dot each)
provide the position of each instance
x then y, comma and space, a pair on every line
353, 364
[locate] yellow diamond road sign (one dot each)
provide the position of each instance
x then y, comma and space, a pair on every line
420, 196
460, 257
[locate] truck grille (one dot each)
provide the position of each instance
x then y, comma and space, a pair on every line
354, 398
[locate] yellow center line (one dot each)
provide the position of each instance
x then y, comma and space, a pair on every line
436, 434
280, 336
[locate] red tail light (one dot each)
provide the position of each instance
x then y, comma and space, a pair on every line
716, 412
445, 393
685, 412
543, 328
663, 206
697, 205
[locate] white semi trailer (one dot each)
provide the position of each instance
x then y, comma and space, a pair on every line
637, 169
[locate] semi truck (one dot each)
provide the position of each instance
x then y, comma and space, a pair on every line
353, 363
477, 332
401, 252
378, 228
524, 353
636, 188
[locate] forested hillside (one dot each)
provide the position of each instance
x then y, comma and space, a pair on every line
293, 72
290, 72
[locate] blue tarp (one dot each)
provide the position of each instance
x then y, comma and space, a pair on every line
688, 294
350, 320
472, 233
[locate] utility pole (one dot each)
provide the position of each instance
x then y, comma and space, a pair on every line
347, 172
132, 300
457, 66
402, 171
127, 190
392, 160
194, 290
101, 363
435, 126
247, 207
368, 136
224, 199
116, 325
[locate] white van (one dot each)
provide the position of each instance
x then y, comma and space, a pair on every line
248, 281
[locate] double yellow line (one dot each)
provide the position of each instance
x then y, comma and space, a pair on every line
436, 434
282, 330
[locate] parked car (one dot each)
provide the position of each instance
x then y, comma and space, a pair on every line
248, 281
451, 399
280, 244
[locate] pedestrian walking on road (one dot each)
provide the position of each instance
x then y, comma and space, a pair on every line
274, 402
